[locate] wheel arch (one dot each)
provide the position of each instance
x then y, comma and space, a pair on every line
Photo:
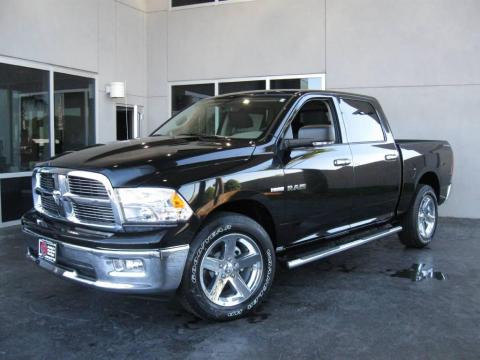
430, 178
253, 209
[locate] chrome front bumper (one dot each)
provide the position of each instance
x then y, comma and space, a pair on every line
163, 268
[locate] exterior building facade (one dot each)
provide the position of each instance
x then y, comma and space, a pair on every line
58, 57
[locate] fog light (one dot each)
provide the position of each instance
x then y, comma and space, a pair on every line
127, 267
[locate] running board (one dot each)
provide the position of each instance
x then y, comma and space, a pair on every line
302, 260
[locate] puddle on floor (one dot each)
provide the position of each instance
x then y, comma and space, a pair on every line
419, 272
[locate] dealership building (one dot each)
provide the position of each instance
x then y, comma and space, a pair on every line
78, 72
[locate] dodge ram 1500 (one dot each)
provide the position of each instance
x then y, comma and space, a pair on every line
208, 204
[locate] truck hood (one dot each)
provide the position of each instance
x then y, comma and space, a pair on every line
132, 162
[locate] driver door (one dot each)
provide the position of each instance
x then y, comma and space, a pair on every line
319, 179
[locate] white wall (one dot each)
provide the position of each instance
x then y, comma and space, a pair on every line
420, 58
51, 31
105, 38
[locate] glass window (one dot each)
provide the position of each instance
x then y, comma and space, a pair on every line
74, 112
24, 117
241, 117
314, 83
231, 87
185, 95
16, 194
361, 121
176, 3
125, 122
314, 112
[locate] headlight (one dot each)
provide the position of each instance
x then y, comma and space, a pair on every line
153, 205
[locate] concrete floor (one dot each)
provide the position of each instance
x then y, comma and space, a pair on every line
346, 306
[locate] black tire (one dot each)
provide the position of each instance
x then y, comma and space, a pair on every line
225, 228
414, 232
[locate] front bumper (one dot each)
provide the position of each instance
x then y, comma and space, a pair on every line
163, 268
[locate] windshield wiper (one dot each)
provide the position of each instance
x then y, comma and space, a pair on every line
203, 136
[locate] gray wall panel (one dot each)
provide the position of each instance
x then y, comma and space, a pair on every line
408, 42
131, 60
51, 31
157, 53
255, 38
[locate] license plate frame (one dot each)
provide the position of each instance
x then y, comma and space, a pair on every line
47, 250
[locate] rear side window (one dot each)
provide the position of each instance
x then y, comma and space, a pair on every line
361, 121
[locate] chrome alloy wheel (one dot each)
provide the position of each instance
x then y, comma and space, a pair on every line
426, 217
231, 269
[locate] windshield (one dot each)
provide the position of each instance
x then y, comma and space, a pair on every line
240, 117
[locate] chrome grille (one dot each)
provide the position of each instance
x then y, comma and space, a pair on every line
86, 187
81, 197
94, 213
49, 205
47, 181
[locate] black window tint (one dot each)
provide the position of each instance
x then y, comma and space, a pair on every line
74, 112
361, 121
185, 95
24, 117
189, 2
231, 87
16, 195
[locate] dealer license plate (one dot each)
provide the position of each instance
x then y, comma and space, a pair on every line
47, 250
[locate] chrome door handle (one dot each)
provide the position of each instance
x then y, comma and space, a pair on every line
391, 157
341, 162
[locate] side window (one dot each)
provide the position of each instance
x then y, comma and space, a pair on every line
313, 112
361, 121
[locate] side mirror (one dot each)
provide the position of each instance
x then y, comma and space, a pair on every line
311, 135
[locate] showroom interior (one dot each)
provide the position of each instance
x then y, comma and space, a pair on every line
59, 66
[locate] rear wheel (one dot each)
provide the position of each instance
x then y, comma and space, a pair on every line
420, 222
230, 268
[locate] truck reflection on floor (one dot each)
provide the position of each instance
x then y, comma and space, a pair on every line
419, 272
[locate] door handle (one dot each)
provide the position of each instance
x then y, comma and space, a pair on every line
341, 162
391, 157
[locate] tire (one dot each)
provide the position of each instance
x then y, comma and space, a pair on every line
420, 222
217, 253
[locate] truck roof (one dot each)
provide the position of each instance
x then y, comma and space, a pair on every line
297, 92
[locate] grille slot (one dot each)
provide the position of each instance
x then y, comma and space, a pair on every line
47, 182
48, 204
94, 213
87, 187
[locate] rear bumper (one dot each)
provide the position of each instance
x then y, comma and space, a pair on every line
162, 268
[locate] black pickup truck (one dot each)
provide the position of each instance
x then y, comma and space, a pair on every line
208, 204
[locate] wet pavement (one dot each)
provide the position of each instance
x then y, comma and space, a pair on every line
360, 304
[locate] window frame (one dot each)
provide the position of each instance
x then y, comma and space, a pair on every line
201, 5
340, 135
380, 119
52, 69
216, 83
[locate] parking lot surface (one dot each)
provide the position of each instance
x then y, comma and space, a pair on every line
358, 304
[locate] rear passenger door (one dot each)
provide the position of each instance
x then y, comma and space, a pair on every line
376, 162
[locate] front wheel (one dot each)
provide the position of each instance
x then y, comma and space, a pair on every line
420, 222
230, 268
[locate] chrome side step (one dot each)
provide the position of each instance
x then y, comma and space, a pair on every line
302, 260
